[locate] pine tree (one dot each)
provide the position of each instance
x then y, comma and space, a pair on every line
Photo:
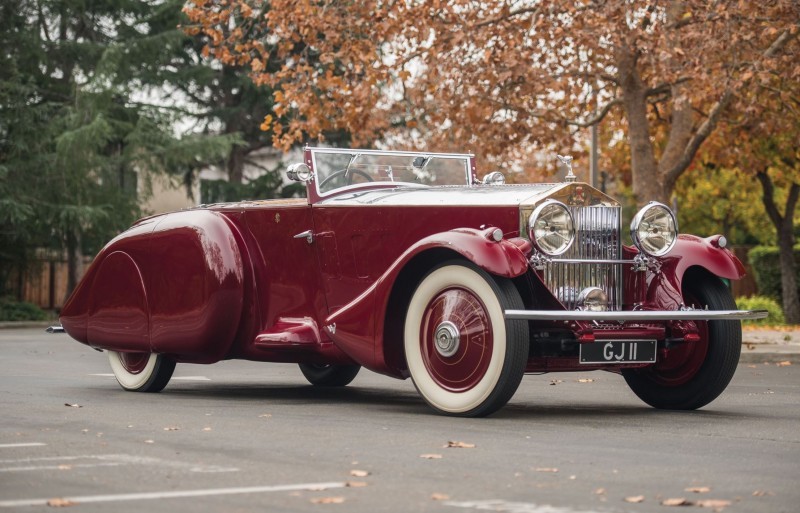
77, 127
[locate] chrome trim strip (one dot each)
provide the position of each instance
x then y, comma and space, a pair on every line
638, 315
320, 149
590, 261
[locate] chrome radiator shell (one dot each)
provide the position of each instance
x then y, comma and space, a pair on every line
597, 237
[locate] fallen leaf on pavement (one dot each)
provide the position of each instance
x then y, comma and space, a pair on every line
761, 493
546, 469
431, 456
459, 445
327, 500
265, 416
76, 405
206, 429
359, 473
600, 491
171, 428
750, 346
679, 501
715, 504
585, 380
635, 499
149, 441
698, 489
784, 363
440, 497
60, 503
355, 484
65, 467
556, 381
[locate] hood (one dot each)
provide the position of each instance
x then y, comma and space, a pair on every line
528, 195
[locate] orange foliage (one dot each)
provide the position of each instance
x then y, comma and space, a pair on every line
504, 79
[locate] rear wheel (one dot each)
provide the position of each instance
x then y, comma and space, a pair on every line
694, 374
329, 375
141, 372
464, 357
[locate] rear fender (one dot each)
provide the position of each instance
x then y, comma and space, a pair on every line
172, 285
358, 328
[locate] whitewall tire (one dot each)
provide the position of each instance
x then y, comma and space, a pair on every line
141, 372
463, 356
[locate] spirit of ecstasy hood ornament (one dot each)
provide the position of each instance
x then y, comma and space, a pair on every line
567, 161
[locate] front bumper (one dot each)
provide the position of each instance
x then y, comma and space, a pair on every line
636, 315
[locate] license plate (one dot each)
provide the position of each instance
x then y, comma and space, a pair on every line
619, 351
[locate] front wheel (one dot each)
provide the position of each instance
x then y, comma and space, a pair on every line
141, 372
329, 375
693, 375
464, 357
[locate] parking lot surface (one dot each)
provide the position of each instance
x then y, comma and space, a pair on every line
244, 436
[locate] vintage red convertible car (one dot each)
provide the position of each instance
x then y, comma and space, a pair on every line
406, 264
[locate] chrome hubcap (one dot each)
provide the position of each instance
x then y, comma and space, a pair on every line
447, 339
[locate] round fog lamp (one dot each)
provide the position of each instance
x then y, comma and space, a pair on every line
593, 299
551, 228
654, 230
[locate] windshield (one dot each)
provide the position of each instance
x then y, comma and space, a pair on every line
334, 169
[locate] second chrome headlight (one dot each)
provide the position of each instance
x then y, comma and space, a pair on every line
551, 228
654, 230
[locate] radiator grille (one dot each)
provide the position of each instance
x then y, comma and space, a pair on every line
597, 237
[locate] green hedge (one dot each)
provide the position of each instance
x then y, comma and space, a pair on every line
761, 303
11, 310
765, 261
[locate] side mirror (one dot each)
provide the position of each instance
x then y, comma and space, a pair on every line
299, 172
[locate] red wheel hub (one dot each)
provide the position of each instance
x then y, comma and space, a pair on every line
456, 339
134, 362
680, 363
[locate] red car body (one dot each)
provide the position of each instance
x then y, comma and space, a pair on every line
326, 281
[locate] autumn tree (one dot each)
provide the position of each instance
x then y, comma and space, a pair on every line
762, 141
507, 79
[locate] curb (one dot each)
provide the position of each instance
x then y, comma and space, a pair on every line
769, 357
18, 325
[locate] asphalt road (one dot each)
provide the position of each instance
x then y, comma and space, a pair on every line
243, 436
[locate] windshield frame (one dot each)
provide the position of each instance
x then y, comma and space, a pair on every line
312, 154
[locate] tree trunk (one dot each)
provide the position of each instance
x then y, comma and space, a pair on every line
74, 261
784, 224
235, 164
647, 184
789, 296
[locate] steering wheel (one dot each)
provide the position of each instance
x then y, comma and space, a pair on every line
348, 176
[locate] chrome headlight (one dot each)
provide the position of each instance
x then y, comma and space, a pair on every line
551, 227
654, 230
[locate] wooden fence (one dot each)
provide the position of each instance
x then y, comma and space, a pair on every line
44, 282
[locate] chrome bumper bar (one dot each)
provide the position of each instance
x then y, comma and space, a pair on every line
637, 315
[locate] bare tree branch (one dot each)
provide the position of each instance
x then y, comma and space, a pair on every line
708, 126
597, 117
512, 14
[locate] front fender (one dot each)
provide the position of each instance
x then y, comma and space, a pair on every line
664, 287
358, 327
